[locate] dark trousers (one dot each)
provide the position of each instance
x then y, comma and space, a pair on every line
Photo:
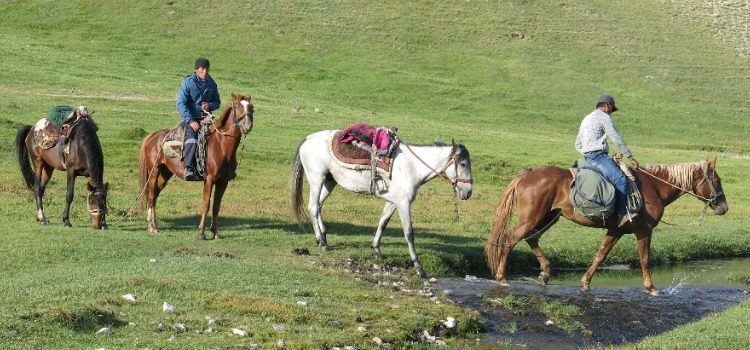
190, 145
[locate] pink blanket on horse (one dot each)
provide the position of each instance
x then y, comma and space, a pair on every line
367, 134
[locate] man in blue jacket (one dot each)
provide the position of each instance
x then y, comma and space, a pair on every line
198, 96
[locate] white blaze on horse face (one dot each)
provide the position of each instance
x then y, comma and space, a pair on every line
245, 104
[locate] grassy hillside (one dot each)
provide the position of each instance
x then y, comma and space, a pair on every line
511, 80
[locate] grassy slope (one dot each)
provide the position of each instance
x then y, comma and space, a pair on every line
510, 80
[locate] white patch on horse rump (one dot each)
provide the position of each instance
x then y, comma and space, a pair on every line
41, 124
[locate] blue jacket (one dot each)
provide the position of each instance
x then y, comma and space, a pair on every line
193, 93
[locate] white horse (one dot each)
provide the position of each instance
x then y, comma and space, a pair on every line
412, 167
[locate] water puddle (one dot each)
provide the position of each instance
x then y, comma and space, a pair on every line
615, 311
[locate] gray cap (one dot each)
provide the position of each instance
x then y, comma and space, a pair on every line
607, 99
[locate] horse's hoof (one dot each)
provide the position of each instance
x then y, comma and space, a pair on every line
585, 289
325, 248
503, 283
201, 237
218, 236
544, 278
43, 222
652, 292
67, 225
420, 272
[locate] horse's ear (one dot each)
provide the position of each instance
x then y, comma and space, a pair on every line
713, 163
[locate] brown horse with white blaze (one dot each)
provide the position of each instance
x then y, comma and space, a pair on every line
542, 196
221, 162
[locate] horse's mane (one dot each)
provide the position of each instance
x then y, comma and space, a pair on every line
85, 131
678, 174
224, 117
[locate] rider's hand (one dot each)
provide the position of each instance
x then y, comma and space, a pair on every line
635, 163
195, 125
204, 106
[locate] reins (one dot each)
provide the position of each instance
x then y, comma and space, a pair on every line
441, 173
707, 201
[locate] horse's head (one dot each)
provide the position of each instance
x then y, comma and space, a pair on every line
707, 184
460, 172
97, 201
243, 109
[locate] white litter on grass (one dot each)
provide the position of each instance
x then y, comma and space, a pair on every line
167, 307
129, 297
239, 331
549, 323
279, 327
103, 330
281, 344
362, 329
152, 260
433, 280
211, 321
450, 322
302, 303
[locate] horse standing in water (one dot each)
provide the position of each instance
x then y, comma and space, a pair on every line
412, 167
84, 157
221, 162
542, 195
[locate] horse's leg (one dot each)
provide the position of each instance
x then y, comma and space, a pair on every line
69, 198
388, 211
404, 211
314, 208
328, 185
544, 264
157, 181
42, 174
644, 252
608, 242
219, 189
208, 186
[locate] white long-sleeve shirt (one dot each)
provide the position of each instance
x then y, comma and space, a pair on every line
593, 133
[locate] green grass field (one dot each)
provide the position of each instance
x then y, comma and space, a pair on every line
511, 80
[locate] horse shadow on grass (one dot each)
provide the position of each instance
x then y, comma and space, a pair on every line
462, 254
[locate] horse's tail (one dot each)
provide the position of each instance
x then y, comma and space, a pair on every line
295, 189
143, 170
500, 223
22, 153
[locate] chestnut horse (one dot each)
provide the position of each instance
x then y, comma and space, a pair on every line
542, 195
84, 158
221, 162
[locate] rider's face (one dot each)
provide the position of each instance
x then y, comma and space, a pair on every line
201, 72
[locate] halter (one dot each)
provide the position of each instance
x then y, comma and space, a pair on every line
454, 160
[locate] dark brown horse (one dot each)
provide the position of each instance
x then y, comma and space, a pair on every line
221, 162
84, 158
542, 196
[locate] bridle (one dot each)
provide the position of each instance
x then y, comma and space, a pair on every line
442, 172
235, 120
707, 201
706, 178
100, 211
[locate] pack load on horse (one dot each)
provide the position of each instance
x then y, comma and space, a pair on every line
593, 196
543, 195
66, 140
327, 161
224, 135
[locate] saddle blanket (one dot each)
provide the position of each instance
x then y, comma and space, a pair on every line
350, 156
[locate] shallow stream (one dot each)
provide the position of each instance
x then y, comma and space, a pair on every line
615, 311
